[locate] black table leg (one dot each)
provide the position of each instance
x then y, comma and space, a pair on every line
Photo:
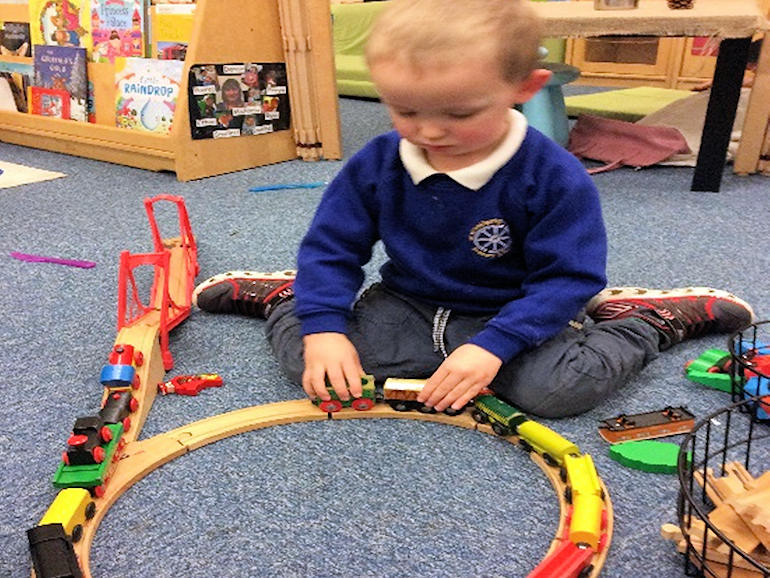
720, 114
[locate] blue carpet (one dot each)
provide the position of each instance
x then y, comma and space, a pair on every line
365, 498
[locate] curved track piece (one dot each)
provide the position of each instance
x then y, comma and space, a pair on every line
142, 457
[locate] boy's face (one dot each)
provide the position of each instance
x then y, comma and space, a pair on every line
457, 114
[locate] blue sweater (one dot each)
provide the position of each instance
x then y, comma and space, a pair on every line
528, 248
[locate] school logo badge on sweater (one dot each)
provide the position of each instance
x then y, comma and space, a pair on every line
491, 238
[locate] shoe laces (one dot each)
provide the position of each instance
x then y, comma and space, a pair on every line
690, 313
248, 299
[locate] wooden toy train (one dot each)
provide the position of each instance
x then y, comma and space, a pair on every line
135, 365
585, 532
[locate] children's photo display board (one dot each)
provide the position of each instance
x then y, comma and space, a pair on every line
240, 99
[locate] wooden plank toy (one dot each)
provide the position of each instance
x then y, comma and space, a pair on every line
643, 426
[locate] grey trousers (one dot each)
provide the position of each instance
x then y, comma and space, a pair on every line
397, 336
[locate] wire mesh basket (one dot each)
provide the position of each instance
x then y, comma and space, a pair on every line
724, 472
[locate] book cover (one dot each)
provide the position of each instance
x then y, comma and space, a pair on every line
14, 39
21, 75
64, 68
117, 29
49, 102
146, 91
60, 22
229, 100
170, 30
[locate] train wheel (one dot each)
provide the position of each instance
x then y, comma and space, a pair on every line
362, 404
550, 460
133, 405
526, 446
399, 406
105, 434
426, 409
98, 491
65, 458
585, 572
500, 429
77, 533
90, 510
330, 406
98, 454
138, 358
452, 411
126, 424
479, 416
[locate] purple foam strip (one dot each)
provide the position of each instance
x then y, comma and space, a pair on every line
55, 260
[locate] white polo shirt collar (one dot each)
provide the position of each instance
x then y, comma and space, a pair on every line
476, 175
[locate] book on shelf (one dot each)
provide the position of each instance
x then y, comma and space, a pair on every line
146, 91
52, 102
60, 22
170, 30
117, 29
63, 68
19, 76
14, 39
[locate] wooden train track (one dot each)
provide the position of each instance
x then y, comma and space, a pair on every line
147, 333
142, 457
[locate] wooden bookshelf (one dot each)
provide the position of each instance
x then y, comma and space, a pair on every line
297, 32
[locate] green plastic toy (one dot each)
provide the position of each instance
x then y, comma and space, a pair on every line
648, 455
709, 369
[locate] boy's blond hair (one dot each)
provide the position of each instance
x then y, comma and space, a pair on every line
439, 32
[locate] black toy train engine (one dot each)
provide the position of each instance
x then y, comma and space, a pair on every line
84, 446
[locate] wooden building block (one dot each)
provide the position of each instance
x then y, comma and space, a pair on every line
731, 525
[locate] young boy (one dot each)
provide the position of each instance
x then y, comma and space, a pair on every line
494, 236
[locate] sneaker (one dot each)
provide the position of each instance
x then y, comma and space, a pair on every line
677, 314
245, 292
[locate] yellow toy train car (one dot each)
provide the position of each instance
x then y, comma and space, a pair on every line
71, 508
585, 493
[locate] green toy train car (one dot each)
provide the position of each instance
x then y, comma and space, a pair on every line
503, 418
91, 476
366, 401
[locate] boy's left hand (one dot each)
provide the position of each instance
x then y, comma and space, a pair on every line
462, 375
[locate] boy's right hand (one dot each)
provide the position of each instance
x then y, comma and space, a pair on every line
332, 356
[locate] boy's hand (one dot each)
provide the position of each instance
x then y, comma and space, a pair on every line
461, 376
332, 356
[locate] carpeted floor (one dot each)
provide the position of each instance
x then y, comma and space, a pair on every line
363, 498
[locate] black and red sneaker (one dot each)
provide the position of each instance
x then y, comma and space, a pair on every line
677, 314
249, 293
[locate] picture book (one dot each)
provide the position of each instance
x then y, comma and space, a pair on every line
60, 22
14, 39
117, 29
20, 76
49, 102
146, 93
228, 100
170, 30
64, 68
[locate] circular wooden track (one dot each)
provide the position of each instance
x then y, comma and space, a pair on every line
139, 458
